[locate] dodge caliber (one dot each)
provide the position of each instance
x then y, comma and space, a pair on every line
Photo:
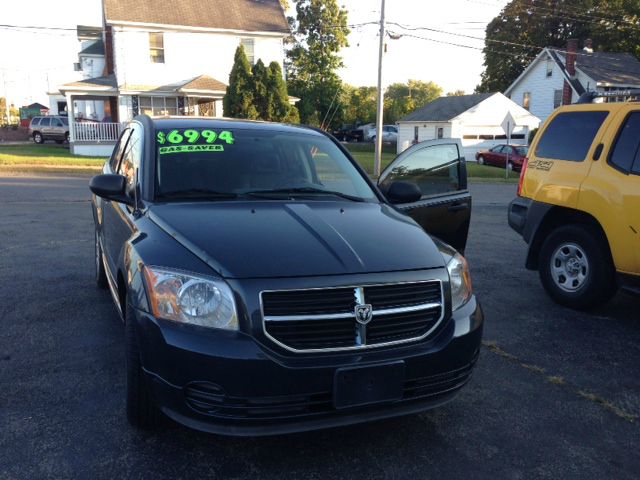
267, 285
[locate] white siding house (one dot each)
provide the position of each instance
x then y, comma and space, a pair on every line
475, 119
160, 61
559, 77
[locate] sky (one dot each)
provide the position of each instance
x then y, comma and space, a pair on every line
34, 62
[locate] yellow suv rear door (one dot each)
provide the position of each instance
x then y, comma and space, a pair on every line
611, 193
560, 157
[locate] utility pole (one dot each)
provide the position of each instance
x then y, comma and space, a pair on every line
378, 146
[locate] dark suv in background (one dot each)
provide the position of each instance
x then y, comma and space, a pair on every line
52, 127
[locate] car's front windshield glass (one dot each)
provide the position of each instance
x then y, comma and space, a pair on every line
522, 151
213, 163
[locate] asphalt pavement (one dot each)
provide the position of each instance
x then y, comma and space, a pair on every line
556, 393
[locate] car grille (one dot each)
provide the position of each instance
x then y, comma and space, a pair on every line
324, 319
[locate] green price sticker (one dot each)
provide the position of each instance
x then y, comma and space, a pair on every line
191, 136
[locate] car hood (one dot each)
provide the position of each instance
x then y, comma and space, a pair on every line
291, 239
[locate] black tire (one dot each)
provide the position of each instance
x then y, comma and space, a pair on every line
480, 160
142, 412
38, 138
576, 268
66, 137
101, 275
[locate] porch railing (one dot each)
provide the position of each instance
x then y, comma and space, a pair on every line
96, 132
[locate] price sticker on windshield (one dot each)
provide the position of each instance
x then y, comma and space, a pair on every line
192, 140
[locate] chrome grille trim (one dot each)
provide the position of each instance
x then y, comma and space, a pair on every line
350, 315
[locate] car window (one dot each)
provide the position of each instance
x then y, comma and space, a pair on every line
131, 156
570, 135
118, 149
35, 122
627, 145
65, 121
496, 149
250, 160
522, 151
45, 122
56, 122
434, 169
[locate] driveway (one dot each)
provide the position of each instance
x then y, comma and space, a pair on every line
556, 393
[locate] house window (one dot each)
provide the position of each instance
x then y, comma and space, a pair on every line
249, 44
549, 67
159, 106
526, 100
557, 98
156, 47
439, 132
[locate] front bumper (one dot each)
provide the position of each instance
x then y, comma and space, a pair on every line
227, 383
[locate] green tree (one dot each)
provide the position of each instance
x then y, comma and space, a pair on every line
279, 107
359, 104
238, 100
401, 99
259, 90
320, 32
524, 27
456, 93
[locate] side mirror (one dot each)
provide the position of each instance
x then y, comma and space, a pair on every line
111, 187
403, 192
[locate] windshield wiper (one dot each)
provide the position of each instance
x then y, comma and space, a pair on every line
198, 193
302, 190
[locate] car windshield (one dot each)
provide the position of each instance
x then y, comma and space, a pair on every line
522, 151
199, 163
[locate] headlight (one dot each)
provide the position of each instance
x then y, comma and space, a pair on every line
460, 281
185, 298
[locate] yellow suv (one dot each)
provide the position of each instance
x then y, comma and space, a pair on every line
578, 204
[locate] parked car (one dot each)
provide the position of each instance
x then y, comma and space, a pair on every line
389, 134
498, 155
52, 127
359, 133
267, 285
344, 132
578, 204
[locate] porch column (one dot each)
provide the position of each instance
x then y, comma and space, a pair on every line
71, 117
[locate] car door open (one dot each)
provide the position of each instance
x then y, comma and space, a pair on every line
438, 169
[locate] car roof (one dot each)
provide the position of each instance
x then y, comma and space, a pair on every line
228, 123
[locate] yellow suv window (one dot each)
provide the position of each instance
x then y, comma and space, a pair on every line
570, 135
625, 155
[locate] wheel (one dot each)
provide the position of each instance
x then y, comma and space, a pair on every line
101, 275
480, 160
38, 138
141, 411
67, 137
373, 139
576, 268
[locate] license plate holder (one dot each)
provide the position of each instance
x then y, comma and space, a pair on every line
358, 386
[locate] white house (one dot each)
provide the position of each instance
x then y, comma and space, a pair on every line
167, 61
476, 119
559, 77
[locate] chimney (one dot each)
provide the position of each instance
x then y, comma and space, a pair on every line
588, 46
570, 62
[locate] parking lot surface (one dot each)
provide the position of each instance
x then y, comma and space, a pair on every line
556, 393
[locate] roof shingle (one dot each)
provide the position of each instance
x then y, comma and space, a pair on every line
446, 108
245, 15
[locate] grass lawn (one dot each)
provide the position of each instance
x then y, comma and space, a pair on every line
45, 155
32, 158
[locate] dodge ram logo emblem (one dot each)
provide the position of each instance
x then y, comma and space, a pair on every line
364, 314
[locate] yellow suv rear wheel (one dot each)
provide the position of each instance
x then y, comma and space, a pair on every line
575, 267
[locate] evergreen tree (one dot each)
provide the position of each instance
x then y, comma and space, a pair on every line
279, 107
238, 101
259, 89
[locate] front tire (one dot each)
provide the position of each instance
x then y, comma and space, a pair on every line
576, 268
38, 138
141, 411
480, 160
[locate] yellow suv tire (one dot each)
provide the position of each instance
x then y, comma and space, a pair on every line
576, 268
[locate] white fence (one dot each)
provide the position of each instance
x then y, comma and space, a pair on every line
96, 132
